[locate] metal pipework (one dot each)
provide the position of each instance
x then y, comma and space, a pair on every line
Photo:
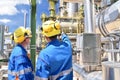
106, 16
72, 8
110, 70
61, 8
111, 13
112, 53
33, 29
2, 29
52, 4
89, 16
25, 17
68, 24
43, 17
74, 26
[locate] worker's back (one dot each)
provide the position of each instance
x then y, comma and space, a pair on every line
56, 58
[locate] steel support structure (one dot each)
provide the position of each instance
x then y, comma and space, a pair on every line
33, 29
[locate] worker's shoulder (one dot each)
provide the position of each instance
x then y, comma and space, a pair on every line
17, 51
45, 50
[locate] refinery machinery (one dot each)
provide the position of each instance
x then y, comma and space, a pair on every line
6, 43
6, 46
93, 27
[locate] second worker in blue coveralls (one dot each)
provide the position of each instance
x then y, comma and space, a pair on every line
20, 66
55, 61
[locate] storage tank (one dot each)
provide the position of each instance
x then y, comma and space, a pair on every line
72, 8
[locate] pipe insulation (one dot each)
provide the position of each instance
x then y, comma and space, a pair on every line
106, 16
110, 14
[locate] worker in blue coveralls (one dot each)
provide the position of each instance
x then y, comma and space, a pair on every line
20, 66
55, 61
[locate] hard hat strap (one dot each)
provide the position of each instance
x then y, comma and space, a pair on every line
13, 36
55, 26
41, 28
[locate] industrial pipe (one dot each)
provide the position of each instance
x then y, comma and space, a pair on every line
111, 13
33, 29
89, 16
69, 24
52, 8
106, 16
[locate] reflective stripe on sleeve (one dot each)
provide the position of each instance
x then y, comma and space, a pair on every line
24, 71
66, 72
39, 78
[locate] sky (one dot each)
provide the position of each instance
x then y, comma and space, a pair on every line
12, 12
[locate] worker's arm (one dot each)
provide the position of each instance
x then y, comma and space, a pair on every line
65, 39
23, 68
42, 67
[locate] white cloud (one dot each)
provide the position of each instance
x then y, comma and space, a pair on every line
13, 2
7, 7
5, 20
22, 1
8, 10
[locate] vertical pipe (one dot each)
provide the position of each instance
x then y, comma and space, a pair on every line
33, 29
93, 16
61, 8
72, 8
111, 56
2, 27
25, 20
78, 27
43, 17
52, 8
89, 13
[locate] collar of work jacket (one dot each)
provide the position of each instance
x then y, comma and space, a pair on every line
54, 41
22, 48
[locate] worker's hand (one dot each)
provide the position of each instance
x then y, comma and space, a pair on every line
62, 32
28, 54
59, 36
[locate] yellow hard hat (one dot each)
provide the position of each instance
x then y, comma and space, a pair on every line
20, 34
50, 28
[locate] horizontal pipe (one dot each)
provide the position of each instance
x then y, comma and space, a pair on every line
110, 14
69, 24
80, 70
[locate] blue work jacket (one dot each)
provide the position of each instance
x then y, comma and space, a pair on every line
55, 61
20, 65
